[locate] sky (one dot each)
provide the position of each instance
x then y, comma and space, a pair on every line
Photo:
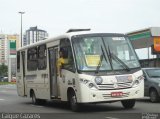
57, 16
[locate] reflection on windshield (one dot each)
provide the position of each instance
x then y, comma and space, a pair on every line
91, 52
115, 58
153, 73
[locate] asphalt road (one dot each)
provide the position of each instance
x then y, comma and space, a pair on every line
11, 103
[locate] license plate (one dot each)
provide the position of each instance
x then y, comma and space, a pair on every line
116, 94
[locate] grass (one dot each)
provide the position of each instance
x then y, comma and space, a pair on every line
6, 83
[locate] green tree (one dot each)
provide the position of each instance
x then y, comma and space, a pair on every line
3, 70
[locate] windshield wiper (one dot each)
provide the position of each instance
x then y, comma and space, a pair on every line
120, 61
100, 62
113, 56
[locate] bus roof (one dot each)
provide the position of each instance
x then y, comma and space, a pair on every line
65, 35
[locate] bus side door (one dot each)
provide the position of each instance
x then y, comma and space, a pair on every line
53, 52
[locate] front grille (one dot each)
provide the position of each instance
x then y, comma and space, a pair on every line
115, 86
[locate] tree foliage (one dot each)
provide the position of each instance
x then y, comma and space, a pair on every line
3, 70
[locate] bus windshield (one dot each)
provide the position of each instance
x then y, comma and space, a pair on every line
104, 53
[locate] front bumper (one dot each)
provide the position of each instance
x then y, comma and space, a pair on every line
94, 96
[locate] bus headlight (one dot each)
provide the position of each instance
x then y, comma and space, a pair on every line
85, 81
98, 80
92, 86
89, 83
137, 81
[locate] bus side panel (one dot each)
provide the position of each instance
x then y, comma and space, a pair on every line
41, 85
38, 81
68, 80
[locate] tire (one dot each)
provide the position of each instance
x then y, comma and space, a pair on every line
35, 101
154, 97
73, 102
128, 104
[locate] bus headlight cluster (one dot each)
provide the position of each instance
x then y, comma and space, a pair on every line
88, 83
98, 80
137, 81
85, 81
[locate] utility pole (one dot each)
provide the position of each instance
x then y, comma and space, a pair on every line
21, 27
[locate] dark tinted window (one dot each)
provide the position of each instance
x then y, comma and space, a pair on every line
32, 59
18, 61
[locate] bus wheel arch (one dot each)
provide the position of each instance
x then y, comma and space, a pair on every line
72, 99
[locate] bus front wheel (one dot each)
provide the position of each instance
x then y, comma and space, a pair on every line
73, 101
128, 104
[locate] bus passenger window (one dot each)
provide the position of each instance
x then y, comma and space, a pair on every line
32, 59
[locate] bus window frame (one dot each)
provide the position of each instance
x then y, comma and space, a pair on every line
69, 45
40, 58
